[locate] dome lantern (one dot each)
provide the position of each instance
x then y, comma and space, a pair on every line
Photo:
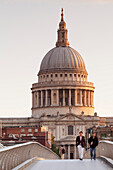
62, 33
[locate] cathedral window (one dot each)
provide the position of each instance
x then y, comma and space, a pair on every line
61, 75
78, 75
47, 76
70, 75
74, 75
51, 75
65, 75
70, 130
56, 75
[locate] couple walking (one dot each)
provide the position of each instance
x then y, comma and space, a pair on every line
81, 144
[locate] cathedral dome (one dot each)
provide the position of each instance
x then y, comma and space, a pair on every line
62, 85
62, 59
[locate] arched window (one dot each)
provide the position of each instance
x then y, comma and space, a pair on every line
70, 130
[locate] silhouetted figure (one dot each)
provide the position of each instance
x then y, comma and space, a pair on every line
93, 141
62, 152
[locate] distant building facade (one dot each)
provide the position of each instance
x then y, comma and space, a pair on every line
104, 132
20, 134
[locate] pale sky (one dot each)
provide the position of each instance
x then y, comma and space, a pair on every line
28, 30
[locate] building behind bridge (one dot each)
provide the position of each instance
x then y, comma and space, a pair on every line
63, 98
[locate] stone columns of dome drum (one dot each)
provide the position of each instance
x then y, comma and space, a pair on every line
80, 97
69, 97
58, 97
88, 98
85, 98
63, 97
75, 97
46, 96
32, 99
51, 97
41, 98
37, 98
93, 98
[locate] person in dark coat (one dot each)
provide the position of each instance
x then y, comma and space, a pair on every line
80, 144
93, 141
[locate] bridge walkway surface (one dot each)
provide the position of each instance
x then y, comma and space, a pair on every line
85, 164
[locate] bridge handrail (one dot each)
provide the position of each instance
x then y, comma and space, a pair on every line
24, 144
106, 141
12, 156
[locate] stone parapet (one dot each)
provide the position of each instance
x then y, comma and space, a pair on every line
36, 112
64, 83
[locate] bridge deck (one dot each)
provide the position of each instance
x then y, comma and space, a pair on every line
85, 164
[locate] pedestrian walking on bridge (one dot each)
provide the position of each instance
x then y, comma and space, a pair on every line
62, 152
93, 141
80, 144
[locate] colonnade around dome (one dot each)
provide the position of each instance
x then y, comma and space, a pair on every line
63, 97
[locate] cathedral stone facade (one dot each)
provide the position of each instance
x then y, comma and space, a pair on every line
62, 99
62, 81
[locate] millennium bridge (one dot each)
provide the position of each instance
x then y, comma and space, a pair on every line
34, 156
